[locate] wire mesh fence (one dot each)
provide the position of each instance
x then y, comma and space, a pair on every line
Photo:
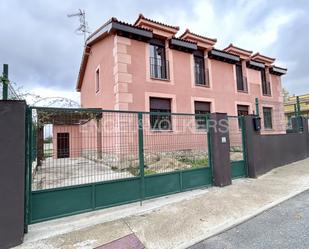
7, 91
177, 142
73, 147
78, 147
236, 138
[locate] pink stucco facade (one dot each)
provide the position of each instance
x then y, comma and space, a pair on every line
124, 82
75, 141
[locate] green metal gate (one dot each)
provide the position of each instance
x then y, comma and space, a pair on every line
238, 156
115, 157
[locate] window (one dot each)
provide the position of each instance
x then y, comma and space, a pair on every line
201, 109
241, 82
267, 115
199, 68
265, 83
242, 110
97, 80
158, 62
160, 121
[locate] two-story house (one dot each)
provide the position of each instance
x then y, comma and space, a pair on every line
146, 67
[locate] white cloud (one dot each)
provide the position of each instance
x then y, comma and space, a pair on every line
230, 25
265, 35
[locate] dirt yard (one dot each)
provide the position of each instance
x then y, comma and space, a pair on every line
55, 173
72, 171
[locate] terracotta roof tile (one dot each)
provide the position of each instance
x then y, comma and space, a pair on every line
233, 46
141, 16
266, 57
115, 20
179, 39
197, 35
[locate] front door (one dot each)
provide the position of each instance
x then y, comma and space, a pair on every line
63, 145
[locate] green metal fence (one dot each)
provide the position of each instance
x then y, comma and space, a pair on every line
86, 159
237, 146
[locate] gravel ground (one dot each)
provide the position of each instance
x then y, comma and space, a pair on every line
73, 171
284, 226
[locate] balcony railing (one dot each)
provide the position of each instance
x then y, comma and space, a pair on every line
201, 77
266, 88
245, 84
159, 69
242, 86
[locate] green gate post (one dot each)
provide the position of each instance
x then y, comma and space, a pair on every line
257, 106
5, 81
298, 106
141, 154
298, 116
299, 121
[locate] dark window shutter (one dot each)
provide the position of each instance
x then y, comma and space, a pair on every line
244, 108
202, 106
160, 103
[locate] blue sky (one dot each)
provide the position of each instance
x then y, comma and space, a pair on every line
37, 38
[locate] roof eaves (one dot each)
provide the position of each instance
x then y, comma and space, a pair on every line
106, 28
114, 23
142, 17
259, 57
231, 48
223, 56
82, 68
99, 33
187, 31
278, 70
191, 46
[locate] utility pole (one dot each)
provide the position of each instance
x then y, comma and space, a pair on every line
83, 28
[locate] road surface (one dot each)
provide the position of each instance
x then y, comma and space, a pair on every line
284, 226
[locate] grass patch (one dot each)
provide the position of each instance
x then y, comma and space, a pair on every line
149, 172
195, 163
48, 153
135, 171
236, 149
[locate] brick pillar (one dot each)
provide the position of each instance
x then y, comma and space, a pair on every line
12, 172
220, 149
252, 147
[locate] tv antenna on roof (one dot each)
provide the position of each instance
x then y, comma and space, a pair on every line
83, 28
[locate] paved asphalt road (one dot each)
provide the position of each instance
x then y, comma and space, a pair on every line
284, 226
